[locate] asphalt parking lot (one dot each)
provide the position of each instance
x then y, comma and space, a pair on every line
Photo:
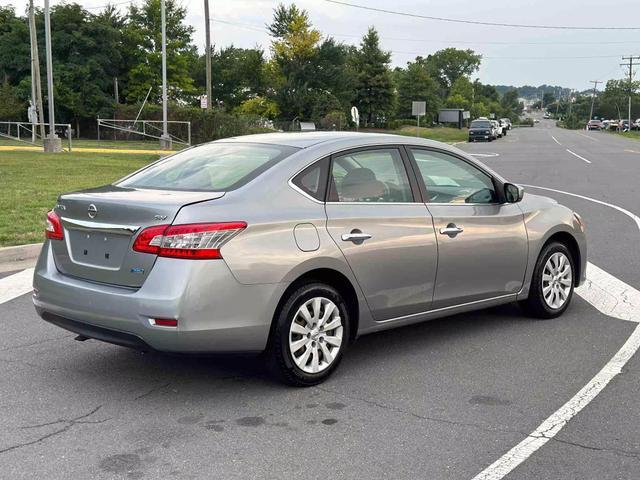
440, 400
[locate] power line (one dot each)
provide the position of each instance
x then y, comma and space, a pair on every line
476, 22
257, 28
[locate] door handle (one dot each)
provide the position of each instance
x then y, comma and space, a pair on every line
356, 236
452, 230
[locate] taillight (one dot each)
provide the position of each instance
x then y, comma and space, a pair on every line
195, 241
54, 227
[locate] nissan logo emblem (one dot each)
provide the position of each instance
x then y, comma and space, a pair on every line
92, 211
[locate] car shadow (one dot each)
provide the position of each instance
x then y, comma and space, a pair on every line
385, 346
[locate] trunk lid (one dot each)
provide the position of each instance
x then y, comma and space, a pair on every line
101, 224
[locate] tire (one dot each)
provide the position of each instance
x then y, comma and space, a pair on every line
537, 305
291, 367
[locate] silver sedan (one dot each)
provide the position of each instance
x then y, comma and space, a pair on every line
296, 244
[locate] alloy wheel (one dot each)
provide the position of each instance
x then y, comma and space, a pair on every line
557, 280
315, 335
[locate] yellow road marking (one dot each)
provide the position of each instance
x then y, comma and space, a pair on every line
10, 148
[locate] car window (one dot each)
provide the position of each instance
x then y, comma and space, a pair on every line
370, 176
449, 179
480, 124
210, 167
313, 179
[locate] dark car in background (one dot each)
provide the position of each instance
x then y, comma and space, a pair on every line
481, 130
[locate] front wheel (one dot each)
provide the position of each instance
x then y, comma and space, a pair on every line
310, 335
551, 288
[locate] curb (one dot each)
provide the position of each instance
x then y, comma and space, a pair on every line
20, 253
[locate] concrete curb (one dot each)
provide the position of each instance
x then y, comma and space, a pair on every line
20, 253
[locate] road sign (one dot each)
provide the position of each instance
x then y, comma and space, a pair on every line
203, 101
355, 115
418, 108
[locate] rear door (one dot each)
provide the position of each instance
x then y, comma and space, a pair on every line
384, 231
482, 243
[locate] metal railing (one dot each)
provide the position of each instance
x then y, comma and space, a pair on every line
26, 132
145, 128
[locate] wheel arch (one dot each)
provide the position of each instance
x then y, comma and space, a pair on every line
569, 241
335, 279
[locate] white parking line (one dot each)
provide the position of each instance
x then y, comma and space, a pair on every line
576, 155
555, 140
612, 297
15, 285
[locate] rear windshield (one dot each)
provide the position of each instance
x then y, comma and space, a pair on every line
214, 167
481, 124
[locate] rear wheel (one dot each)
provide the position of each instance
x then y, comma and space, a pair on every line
310, 335
552, 284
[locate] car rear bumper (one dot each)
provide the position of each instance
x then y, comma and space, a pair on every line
479, 137
215, 312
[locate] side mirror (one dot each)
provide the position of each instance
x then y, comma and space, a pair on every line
513, 193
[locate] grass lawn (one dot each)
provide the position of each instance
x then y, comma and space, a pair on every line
441, 134
634, 135
30, 183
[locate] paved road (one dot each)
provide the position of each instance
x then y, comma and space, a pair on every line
441, 400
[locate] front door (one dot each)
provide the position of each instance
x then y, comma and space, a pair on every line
482, 243
384, 232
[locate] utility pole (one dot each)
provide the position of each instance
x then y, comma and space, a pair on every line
52, 143
207, 29
35, 70
631, 58
593, 95
165, 139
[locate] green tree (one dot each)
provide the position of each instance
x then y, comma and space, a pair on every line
86, 56
144, 45
294, 48
415, 84
449, 64
11, 107
238, 74
374, 89
14, 46
511, 107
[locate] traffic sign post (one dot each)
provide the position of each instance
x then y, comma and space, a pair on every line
417, 110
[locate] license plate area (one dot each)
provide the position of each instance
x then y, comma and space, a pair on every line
97, 249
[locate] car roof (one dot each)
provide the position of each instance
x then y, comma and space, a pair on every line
311, 139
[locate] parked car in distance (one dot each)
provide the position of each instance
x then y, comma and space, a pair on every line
296, 244
481, 129
503, 126
624, 125
506, 122
497, 129
546, 115
594, 125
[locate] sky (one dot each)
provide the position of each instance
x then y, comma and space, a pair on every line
511, 56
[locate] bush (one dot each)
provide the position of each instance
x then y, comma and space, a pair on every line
205, 126
335, 120
402, 122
